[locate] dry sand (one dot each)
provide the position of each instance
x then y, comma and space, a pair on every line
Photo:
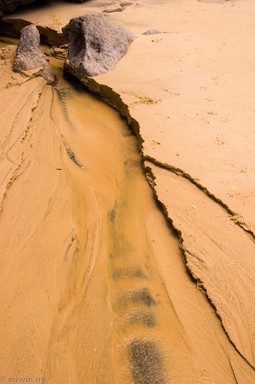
127, 252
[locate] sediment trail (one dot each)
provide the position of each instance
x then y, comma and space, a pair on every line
211, 230
115, 190
95, 287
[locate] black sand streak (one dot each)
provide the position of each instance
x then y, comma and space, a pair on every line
73, 157
62, 95
141, 297
146, 319
144, 297
125, 273
147, 367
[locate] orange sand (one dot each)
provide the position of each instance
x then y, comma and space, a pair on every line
100, 283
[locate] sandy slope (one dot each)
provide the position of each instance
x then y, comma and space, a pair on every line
94, 286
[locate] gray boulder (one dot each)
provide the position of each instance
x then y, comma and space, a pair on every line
95, 44
29, 55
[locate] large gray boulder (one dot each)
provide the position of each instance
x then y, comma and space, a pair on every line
29, 55
95, 44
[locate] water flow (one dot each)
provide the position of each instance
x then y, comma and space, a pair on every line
112, 207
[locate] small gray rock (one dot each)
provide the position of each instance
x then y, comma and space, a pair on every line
151, 32
95, 44
29, 55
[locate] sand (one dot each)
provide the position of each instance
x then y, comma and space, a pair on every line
128, 235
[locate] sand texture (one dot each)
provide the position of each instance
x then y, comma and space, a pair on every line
128, 233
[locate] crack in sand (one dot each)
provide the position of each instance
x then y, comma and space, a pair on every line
112, 98
109, 96
236, 218
198, 281
22, 138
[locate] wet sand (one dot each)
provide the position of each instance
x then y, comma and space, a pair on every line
125, 257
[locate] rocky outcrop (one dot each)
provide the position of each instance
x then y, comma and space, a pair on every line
7, 6
95, 44
12, 28
29, 55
